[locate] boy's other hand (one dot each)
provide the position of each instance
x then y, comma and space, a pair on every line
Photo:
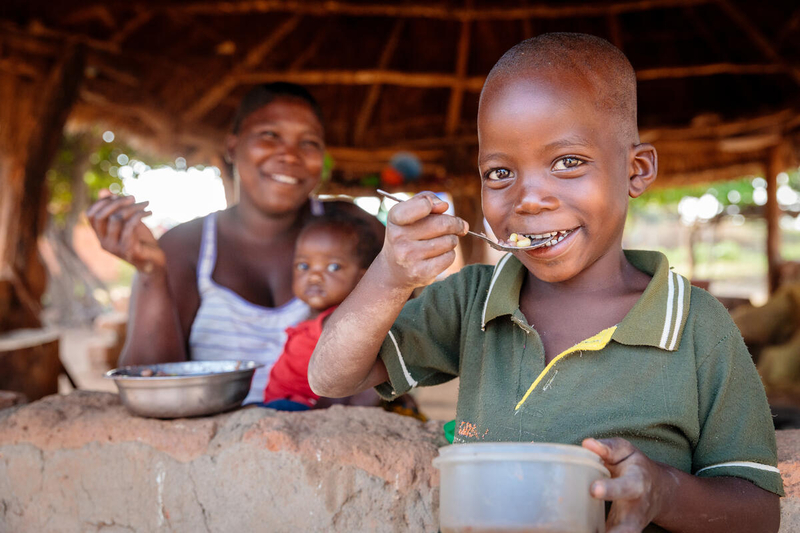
420, 240
633, 487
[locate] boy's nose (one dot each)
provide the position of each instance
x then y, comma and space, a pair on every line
534, 197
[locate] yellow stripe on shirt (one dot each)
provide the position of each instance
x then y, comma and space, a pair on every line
592, 344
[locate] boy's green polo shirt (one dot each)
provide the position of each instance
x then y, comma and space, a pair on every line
674, 377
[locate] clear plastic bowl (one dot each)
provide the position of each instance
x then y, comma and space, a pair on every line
519, 488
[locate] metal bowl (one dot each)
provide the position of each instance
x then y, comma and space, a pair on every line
191, 388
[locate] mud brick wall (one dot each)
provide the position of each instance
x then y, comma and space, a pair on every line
81, 463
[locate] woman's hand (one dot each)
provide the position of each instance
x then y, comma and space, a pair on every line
117, 221
636, 487
420, 240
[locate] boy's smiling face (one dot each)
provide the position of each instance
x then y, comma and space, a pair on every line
553, 162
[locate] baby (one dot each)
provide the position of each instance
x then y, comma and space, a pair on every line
331, 255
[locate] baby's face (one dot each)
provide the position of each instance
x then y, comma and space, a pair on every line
326, 268
551, 164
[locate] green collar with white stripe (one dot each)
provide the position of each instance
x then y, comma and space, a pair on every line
656, 320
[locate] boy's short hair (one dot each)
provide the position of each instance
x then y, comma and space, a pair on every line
603, 64
263, 94
368, 246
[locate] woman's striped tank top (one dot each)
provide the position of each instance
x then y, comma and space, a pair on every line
229, 327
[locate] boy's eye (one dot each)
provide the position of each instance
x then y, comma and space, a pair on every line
498, 174
301, 266
268, 134
333, 267
567, 163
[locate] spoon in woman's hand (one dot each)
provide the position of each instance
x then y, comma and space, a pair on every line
502, 247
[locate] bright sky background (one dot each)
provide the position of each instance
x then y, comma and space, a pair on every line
175, 196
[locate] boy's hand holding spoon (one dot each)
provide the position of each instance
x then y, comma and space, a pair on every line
420, 240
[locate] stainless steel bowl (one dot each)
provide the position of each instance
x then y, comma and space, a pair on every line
191, 388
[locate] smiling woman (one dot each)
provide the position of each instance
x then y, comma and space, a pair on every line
220, 287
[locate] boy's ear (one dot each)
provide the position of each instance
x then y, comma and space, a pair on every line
644, 168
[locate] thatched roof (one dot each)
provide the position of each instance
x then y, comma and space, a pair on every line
719, 79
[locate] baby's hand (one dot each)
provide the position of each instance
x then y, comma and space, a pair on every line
634, 488
420, 240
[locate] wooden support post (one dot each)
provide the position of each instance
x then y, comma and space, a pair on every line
219, 91
362, 121
614, 30
32, 123
774, 165
457, 94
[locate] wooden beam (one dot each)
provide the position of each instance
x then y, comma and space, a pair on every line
31, 134
311, 50
20, 68
98, 12
375, 90
221, 89
790, 27
718, 131
708, 36
436, 11
142, 17
457, 93
614, 31
470, 83
758, 38
38, 29
713, 69
364, 77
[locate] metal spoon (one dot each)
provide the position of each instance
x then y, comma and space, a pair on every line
503, 248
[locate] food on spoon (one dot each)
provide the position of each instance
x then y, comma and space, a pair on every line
146, 373
524, 241
513, 237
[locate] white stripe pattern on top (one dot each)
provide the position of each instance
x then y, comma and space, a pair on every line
406, 374
743, 464
227, 326
668, 317
678, 312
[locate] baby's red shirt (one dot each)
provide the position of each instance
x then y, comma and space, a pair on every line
288, 378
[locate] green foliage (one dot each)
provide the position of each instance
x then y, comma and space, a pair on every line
84, 165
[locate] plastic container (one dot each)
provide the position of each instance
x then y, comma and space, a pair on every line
519, 488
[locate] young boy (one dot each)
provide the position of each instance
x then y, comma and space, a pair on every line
576, 342
331, 255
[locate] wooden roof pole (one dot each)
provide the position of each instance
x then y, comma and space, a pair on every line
375, 90
471, 83
614, 30
364, 77
408, 10
31, 134
142, 18
774, 165
457, 93
221, 89
311, 50
758, 38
